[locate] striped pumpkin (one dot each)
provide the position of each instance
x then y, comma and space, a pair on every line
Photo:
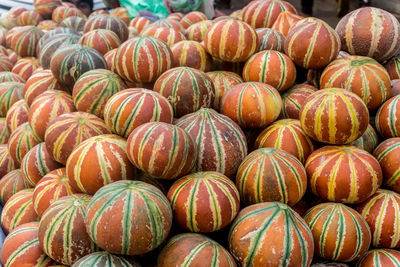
25, 67
62, 231
5, 63
93, 88
46, 107
68, 130
311, 43
10, 92
169, 35
133, 32
334, 116
387, 119
3, 33
162, 150
270, 233
361, 75
177, 16
204, 201
142, 59
294, 98
270, 39
12, 56
187, 89
4, 132
220, 142
37, 163
343, 174
47, 25
98, 12
136, 229
223, 81
197, 31
75, 57
395, 84
63, 12
21, 141
99, 161
381, 211
287, 135
75, 23
53, 186
107, 22
194, 250
388, 155
121, 13
17, 115
8, 76
371, 32
46, 7
7, 164
379, 258
110, 59
284, 21
52, 33
128, 109
340, 233
28, 18
10, 184
269, 174
167, 23
25, 39
139, 23
263, 14
252, 104
18, 210
21, 248
105, 259
101, 40
191, 54
393, 68
223, 41
368, 141
38, 83
192, 18
260, 66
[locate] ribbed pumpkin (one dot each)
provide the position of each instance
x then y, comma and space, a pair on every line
21, 141
381, 213
340, 233
63, 12
220, 142
393, 68
197, 31
62, 231
71, 61
101, 40
284, 21
128, 109
37, 163
252, 104
142, 59
368, 141
380, 257
107, 22
47, 25
192, 18
231, 40
194, 250
361, 75
75, 23
187, 89
25, 39
263, 14
93, 88
387, 119
29, 17
10, 184
311, 43
191, 54
4, 132
21, 248
272, 233
204, 201
68, 130
334, 116
177, 16
18, 210
16, 115
110, 59
139, 23
294, 98
46, 107
371, 32
26, 66
53, 186
270, 39
168, 35
98, 161
388, 155
343, 174
167, 23
223, 81
10, 92
102, 259
52, 33
8, 76
5, 63
269, 174
162, 150
7, 164
135, 229
271, 67
46, 7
